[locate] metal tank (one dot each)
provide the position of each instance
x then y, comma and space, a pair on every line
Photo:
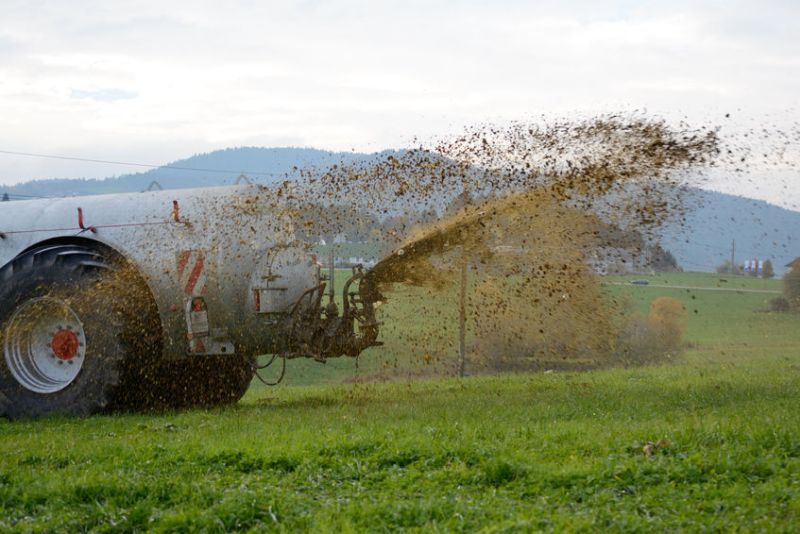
161, 298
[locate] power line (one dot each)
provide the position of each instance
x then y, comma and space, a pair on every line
16, 195
133, 164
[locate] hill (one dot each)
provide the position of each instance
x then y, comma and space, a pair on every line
761, 230
221, 167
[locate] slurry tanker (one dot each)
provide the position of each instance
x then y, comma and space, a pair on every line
162, 299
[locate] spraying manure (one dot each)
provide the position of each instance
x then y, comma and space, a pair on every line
167, 298
528, 209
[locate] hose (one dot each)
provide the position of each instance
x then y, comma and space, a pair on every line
280, 378
268, 363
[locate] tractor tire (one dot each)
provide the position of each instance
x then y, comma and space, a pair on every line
141, 371
61, 333
204, 381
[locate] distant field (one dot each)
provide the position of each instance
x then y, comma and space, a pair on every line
719, 319
715, 318
710, 441
704, 280
348, 250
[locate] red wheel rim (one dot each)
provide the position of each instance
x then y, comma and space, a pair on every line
65, 344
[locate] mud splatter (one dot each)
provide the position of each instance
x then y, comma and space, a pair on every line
527, 208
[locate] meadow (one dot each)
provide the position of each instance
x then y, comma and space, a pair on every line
707, 441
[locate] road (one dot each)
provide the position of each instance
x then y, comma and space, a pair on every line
700, 288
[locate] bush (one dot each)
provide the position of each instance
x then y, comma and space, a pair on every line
653, 338
768, 271
637, 343
668, 320
791, 288
779, 304
728, 268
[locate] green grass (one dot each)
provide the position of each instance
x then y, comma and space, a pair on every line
368, 250
560, 451
731, 281
717, 319
410, 315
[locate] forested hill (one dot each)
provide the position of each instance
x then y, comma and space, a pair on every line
221, 167
761, 230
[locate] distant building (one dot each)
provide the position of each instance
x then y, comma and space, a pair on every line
754, 266
794, 264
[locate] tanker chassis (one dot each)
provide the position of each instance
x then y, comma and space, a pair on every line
161, 299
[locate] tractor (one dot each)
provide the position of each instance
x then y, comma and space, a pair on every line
162, 299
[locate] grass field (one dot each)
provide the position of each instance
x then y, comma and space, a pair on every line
710, 441
726, 281
717, 319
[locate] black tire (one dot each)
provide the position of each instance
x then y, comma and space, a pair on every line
123, 367
141, 371
80, 277
202, 381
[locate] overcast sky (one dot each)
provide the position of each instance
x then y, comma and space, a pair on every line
156, 81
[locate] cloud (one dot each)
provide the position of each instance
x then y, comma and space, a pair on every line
191, 76
103, 95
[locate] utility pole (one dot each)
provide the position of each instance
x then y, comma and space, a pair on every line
462, 319
733, 257
462, 303
332, 275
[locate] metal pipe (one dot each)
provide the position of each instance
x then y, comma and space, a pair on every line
331, 275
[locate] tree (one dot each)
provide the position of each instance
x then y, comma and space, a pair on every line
663, 260
791, 288
767, 270
5, 197
727, 268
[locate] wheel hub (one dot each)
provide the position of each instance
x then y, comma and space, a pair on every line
45, 345
65, 344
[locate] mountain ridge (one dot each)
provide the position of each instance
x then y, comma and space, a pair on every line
761, 230
208, 169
